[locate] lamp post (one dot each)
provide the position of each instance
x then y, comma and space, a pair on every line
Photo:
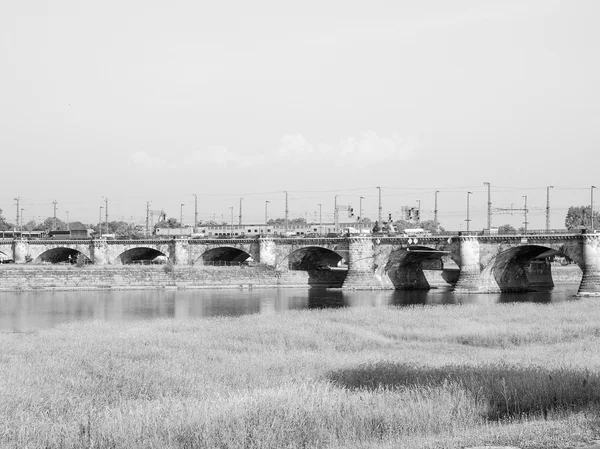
181, 219
266, 214
591, 203
489, 205
548, 207
100, 222
419, 212
68, 225
231, 210
320, 221
468, 219
21, 226
360, 216
525, 212
435, 211
241, 199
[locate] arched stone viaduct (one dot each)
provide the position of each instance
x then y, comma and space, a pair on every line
470, 263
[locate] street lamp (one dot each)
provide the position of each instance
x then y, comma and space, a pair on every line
592, 206
468, 219
525, 211
68, 225
181, 219
320, 221
231, 210
21, 227
360, 216
100, 222
489, 204
548, 207
435, 212
266, 215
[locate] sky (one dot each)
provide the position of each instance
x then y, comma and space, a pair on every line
137, 101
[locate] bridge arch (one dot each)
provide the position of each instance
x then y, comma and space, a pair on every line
313, 258
61, 255
223, 255
141, 255
520, 268
405, 266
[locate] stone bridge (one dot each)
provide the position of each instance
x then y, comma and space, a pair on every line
470, 263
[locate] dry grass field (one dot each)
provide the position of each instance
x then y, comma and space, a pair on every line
526, 375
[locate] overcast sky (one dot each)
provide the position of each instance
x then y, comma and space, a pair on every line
156, 101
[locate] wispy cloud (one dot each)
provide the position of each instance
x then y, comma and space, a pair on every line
144, 161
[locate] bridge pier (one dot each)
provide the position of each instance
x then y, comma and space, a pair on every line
361, 270
20, 249
469, 279
179, 250
590, 281
99, 251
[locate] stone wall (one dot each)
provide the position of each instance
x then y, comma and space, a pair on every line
54, 277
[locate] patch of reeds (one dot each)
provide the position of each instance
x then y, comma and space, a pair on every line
500, 390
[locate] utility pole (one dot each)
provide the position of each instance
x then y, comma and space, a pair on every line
592, 206
548, 207
231, 209
106, 213
147, 218
241, 199
489, 211
335, 214
320, 221
195, 213
468, 218
286, 210
379, 210
266, 214
525, 212
100, 222
435, 211
17, 199
54, 221
21, 225
360, 216
181, 219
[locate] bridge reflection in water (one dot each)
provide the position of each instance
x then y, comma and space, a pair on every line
29, 311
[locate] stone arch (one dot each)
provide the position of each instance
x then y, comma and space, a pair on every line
520, 268
141, 255
61, 255
223, 255
313, 258
405, 266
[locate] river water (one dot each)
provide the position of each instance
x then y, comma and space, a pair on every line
29, 311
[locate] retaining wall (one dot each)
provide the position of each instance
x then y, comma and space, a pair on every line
40, 277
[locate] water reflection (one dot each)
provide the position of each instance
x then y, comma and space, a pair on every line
26, 311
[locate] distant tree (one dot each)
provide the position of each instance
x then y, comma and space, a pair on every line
429, 225
51, 224
506, 229
581, 217
168, 223
276, 222
78, 225
5, 225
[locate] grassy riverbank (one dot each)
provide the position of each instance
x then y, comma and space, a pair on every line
444, 376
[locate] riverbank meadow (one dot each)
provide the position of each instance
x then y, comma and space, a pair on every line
516, 374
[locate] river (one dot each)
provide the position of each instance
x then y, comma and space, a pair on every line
30, 311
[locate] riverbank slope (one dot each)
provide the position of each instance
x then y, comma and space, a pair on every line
523, 375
